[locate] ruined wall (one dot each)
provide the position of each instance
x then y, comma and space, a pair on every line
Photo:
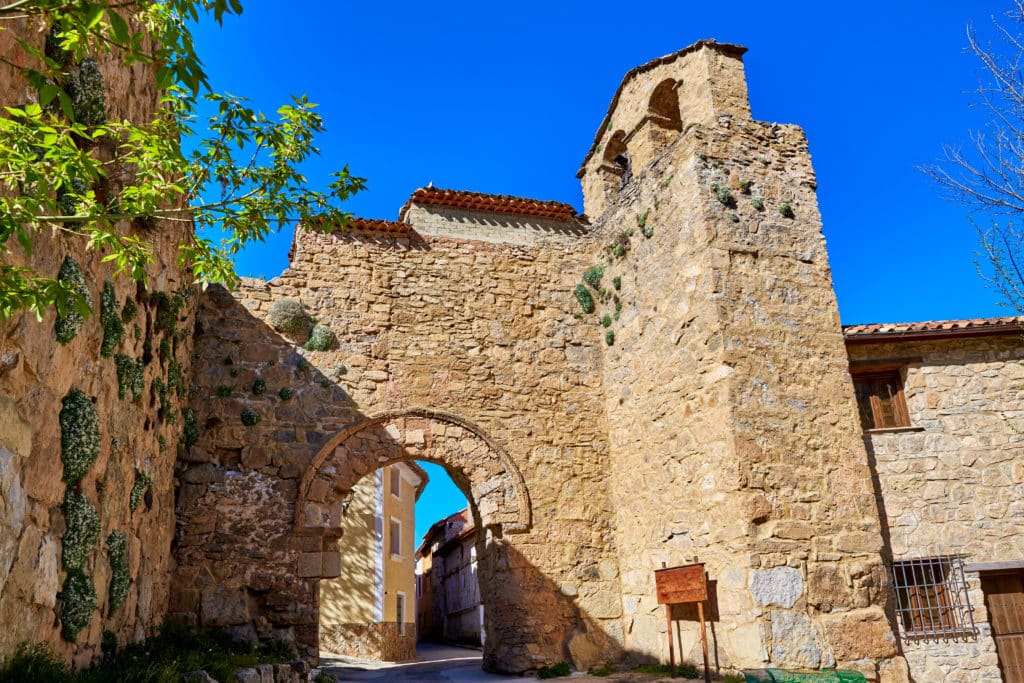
49, 531
482, 330
952, 482
716, 427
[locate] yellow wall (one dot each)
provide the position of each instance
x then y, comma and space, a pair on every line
350, 598
400, 569
354, 597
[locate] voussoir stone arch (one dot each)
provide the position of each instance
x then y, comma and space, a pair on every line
477, 463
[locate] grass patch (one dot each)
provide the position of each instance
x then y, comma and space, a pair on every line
164, 659
683, 670
555, 670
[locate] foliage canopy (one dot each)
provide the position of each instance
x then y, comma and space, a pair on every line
66, 168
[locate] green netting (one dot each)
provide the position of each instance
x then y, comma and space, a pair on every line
786, 676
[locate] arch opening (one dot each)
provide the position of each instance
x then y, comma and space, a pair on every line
664, 104
367, 456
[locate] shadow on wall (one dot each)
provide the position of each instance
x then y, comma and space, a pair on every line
263, 484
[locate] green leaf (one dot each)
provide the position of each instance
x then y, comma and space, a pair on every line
119, 26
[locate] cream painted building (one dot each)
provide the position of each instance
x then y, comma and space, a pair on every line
369, 610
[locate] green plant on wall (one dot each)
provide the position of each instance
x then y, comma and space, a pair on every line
609, 337
142, 485
321, 338
224, 390
641, 219
129, 311
289, 316
79, 435
617, 282
285, 393
130, 377
250, 417
259, 386
190, 432
168, 310
592, 276
81, 530
606, 320
110, 320
78, 602
120, 578
71, 313
585, 299
785, 210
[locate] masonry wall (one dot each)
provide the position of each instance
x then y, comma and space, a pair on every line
487, 331
483, 330
953, 482
716, 429
138, 436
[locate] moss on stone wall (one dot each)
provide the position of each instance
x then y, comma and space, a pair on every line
168, 308
321, 338
120, 578
130, 377
110, 319
190, 433
584, 298
79, 435
85, 88
78, 601
70, 322
81, 530
141, 485
288, 315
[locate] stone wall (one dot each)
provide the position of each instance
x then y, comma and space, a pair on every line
483, 335
952, 482
129, 485
725, 314
381, 641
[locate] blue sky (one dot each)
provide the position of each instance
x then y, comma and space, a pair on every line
506, 97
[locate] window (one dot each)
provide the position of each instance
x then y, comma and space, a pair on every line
880, 399
396, 482
400, 612
931, 597
395, 542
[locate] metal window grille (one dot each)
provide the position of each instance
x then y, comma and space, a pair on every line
931, 598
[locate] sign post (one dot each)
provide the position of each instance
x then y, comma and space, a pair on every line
678, 585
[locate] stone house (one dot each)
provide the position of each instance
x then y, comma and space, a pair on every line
449, 607
661, 379
941, 406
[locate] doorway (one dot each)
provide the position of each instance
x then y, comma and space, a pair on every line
1004, 599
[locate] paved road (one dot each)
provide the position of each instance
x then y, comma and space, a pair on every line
440, 663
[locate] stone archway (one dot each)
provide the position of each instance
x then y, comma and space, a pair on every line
479, 466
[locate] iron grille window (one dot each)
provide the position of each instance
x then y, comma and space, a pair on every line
931, 598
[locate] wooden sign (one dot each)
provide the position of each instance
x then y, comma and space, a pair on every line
687, 583
675, 585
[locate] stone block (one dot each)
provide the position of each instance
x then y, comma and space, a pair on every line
781, 586
858, 634
309, 565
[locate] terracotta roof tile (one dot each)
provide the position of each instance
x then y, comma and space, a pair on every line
493, 203
931, 329
379, 225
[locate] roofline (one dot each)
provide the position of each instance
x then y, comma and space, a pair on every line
567, 211
994, 329
438, 523
727, 48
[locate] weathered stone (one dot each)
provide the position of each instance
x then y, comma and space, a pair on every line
858, 634
781, 586
795, 643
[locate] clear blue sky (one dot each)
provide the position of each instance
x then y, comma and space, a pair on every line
505, 98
